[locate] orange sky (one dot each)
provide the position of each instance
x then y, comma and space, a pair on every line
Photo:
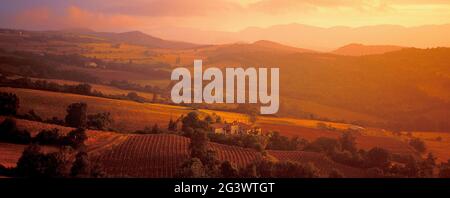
222, 15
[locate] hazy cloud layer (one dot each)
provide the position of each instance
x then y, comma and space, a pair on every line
228, 15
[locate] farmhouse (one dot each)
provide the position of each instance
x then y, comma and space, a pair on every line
235, 128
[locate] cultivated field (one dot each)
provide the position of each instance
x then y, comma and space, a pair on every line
130, 116
124, 155
160, 155
107, 90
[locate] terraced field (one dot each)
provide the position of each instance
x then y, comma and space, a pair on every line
157, 156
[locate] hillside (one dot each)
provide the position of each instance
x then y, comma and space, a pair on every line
371, 90
90, 36
131, 116
159, 156
361, 50
140, 38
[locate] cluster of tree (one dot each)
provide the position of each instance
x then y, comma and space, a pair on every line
257, 142
418, 144
378, 162
154, 130
81, 89
123, 84
9, 104
77, 117
42, 66
9, 132
279, 142
36, 163
203, 163
74, 138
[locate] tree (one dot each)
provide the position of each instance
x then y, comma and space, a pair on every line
172, 125
155, 129
76, 115
199, 144
378, 157
30, 163
348, 142
193, 121
188, 132
412, 168
84, 89
76, 138
155, 98
34, 163
100, 121
9, 103
444, 171
418, 144
193, 168
427, 166
228, 170
248, 171
9, 132
48, 137
323, 144
81, 166
289, 169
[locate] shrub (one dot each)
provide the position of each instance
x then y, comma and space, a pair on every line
290, 169
10, 133
228, 170
323, 144
348, 142
81, 166
48, 137
99, 121
34, 163
9, 103
75, 138
76, 115
199, 145
418, 144
193, 168
444, 171
31, 115
378, 157
55, 120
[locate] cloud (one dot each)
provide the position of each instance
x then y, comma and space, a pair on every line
167, 8
77, 17
229, 15
73, 17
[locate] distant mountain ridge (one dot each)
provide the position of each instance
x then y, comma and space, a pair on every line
132, 37
355, 49
319, 38
140, 38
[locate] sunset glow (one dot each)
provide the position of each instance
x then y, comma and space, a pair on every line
223, 15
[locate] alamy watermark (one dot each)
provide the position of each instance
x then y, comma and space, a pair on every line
213, 92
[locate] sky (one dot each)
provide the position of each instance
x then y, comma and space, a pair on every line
216, 15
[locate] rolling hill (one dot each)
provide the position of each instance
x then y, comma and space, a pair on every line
160, 155
361, 50
131, 116
372, 90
